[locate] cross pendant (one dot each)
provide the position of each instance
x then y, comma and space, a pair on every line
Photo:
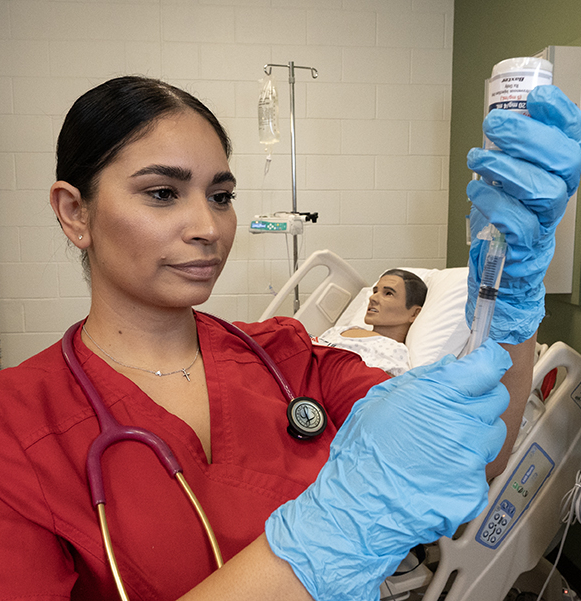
186, 374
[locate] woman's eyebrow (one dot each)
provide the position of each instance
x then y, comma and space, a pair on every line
178, 173
182, 174
224, 176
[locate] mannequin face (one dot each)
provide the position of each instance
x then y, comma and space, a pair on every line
161, 224
387, 304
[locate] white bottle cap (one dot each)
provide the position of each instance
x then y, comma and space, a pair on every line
521, 63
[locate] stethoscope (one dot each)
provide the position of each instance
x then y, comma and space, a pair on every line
307, 419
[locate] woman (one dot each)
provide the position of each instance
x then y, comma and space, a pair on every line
144, 190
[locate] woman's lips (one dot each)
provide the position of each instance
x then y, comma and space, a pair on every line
198, 270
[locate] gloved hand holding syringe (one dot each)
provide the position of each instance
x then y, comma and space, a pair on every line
508, 89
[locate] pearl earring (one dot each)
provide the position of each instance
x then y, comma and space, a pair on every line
81, 237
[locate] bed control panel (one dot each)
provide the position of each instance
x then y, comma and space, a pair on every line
516, 496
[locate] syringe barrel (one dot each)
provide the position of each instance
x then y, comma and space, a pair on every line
480, 324
493, 264
487, 293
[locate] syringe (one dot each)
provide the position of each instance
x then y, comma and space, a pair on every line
488, 290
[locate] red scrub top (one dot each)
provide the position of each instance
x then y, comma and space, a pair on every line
50, 543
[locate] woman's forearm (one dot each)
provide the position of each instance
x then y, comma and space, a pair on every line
518, 381
255, 574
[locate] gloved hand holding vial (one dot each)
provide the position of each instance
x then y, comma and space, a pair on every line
523, 192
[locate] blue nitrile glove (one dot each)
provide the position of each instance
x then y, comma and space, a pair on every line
406, 467
524, 192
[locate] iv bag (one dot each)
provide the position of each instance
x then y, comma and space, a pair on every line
268, 113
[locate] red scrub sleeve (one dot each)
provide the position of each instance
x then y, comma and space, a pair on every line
44, 575
345, 378
39, 567
335, 377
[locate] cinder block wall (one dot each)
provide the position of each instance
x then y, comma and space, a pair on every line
372, 134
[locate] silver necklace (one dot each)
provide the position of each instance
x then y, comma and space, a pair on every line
183, 370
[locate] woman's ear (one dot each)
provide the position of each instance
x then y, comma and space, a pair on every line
68, 205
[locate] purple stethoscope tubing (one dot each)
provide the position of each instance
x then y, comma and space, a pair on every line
112, 431
268, 362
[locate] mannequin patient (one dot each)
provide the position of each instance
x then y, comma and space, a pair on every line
397, 299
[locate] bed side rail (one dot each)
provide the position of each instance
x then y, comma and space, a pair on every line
325, 304
485, 572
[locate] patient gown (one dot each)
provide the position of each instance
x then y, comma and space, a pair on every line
376, 351
50, 545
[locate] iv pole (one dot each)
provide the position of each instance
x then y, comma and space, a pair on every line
291, 80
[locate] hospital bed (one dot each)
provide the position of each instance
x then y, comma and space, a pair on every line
503, 549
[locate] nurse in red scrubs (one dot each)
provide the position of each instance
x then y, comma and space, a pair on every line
144, 190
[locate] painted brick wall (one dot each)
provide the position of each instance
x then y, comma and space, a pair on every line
372, 134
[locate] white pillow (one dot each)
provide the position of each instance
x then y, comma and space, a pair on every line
440, 328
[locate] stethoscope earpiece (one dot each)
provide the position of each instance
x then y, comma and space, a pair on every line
306, 418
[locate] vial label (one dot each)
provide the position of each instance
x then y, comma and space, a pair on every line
509, 91
511, 82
